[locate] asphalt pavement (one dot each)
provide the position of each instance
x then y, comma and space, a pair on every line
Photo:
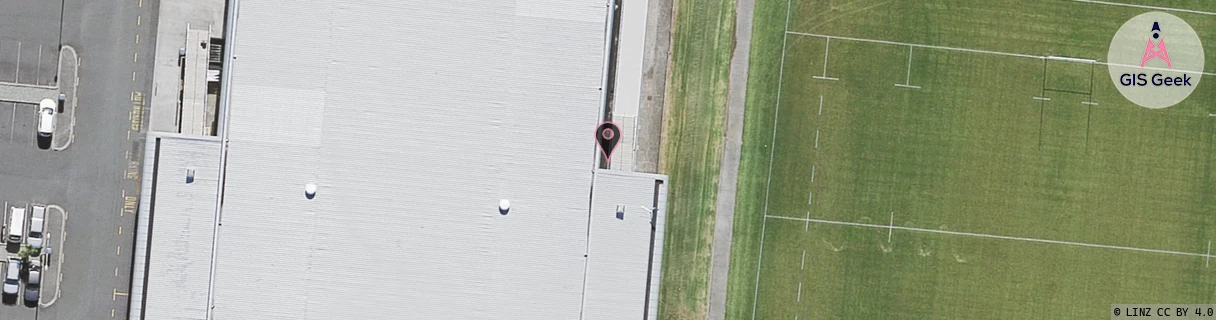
95, 179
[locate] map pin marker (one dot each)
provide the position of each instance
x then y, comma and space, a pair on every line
607, 135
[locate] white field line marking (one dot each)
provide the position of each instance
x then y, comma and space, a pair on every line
991, 236
826, 45
906, 86
799, 292
1212, 114
919, 45
810, 197
1042, 98
820, 104
1019, 55
908, 78
1205, 263
773, 146
807, 227
1089, 103
825, 78
802, 266
812, 173
890, 226
816, 138
1071, 59
1146, 7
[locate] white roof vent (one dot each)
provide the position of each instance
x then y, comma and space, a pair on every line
310, 190
504, 206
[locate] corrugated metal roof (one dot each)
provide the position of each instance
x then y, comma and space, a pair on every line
179, 268
414, 118
620, 247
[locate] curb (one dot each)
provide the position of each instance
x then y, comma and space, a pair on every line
75, 88
63, 235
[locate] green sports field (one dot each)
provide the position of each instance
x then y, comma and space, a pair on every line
925, 160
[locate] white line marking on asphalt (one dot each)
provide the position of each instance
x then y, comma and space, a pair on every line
137, 39
1146, 7
992, 236
118, 250
12, 124
17, 74
38, 69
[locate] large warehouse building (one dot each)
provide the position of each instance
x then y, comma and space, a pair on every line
413, 120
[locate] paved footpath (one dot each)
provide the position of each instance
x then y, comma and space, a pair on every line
728, 176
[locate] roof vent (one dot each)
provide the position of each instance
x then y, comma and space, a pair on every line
310, 190
620, 212
504, 206
189, 175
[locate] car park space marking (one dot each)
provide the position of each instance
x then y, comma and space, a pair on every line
17, 74
12, 123
38, 69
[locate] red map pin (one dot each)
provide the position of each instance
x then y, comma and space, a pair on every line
607, 136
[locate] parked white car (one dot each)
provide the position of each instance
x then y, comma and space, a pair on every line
37, 224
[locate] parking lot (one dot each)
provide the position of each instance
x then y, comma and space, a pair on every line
17, 124
30, 62
29, 40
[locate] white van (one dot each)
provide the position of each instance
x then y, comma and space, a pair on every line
46, 117
16, 224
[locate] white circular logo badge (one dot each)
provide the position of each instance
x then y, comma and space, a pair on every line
1155, 60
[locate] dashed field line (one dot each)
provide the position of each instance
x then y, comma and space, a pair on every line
993, 236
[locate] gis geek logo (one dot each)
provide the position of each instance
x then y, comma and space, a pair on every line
1148, 72
1155, 51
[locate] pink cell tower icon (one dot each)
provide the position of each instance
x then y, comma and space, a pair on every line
1156, 50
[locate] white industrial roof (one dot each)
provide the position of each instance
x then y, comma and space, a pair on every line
415, 119
178, 260
620, 247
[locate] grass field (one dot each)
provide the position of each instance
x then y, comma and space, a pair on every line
958, 194
692, 153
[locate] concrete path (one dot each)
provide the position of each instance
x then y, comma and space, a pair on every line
65, 121
724, 219
655, 61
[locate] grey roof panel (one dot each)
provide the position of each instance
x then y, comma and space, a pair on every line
414, 118
180, 252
